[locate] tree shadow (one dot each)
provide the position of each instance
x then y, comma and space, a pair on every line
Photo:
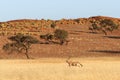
93, 32
105, 51
87, 32
79, 31
74, 33
112, 37
49, 42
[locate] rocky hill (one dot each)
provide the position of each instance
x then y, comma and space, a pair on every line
82, 42
34, 27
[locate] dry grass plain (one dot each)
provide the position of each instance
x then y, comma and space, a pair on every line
101, 68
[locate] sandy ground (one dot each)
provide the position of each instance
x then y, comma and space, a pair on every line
57, 69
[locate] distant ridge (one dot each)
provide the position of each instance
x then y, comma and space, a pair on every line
95, 17
34, 25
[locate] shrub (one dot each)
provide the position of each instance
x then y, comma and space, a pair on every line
47, 37
94, 27
61, 35
53, 25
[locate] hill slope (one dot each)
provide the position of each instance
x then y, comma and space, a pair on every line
82, 43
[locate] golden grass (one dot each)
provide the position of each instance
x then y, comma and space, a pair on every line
57, 69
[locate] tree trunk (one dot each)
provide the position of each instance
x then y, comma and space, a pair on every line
26, 53
104, 32
61, 42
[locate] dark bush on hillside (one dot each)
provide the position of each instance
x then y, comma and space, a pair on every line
47, 37
94, 27
61, 35
104, 26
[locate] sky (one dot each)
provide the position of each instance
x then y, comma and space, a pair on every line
57, 9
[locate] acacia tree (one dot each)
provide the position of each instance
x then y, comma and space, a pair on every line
108, 25
20, 43
105, 26
61, 35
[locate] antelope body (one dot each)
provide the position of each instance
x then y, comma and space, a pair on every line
74, 63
